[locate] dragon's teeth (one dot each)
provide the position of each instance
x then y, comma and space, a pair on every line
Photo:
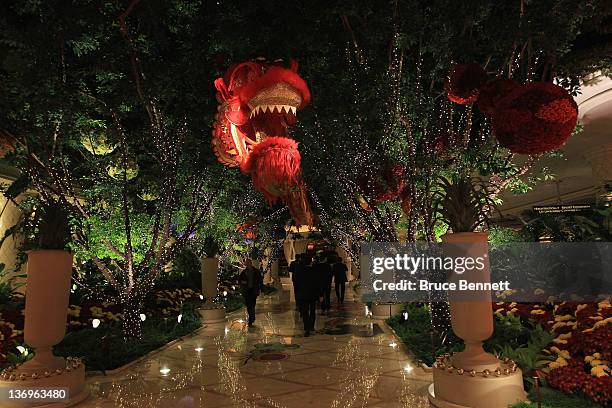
293, 110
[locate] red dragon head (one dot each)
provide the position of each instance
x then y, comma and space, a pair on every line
258, 102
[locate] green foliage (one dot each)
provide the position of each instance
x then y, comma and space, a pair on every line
104, 348
552, 398
106, 233
185, 272
502, 235
8, 288
417, 334
530, 356
54, 228
568, 227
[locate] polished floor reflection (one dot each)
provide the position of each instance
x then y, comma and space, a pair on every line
351, 361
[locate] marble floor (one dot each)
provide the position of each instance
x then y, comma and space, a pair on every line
352, 361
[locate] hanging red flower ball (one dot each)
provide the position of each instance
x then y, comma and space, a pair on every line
384, 186
274, 165
465, 82
535, 118
494, 91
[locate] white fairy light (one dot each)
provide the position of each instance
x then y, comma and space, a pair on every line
164, 371
21, 349
95, 323
408, 368
179, 318
143, 317
198, 349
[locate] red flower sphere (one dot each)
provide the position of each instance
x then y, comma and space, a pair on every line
465, 82
385, 186
494, 91
535, 118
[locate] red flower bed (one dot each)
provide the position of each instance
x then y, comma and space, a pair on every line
582, 344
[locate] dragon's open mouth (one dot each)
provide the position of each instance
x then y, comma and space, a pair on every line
273, 109
284, 109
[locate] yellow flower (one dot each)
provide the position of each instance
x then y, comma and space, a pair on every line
602, 322
600, 371
537, 312
563, 318
558, 324
580, 307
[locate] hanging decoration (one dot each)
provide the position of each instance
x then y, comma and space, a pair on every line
492, 92
464, 83
384, 186
535, 118
258, 101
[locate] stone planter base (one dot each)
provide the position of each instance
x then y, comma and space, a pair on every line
73, 380
451, 390
210, 316
385, 310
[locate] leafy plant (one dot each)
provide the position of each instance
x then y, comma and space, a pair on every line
8, 287
529, 357
552, 398
464, 204
417, 334
54, 228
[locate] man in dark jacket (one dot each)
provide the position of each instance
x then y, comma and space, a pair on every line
339, 271
250, 281
297, 274
309, 289
323, 271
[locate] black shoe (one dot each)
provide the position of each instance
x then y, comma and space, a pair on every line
306, 333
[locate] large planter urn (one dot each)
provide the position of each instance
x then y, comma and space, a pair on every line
473, 378
46, 311
210, 311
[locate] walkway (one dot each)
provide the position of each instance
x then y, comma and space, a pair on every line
352, 361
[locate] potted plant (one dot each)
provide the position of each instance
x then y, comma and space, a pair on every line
211, 311
49, 269
464, 205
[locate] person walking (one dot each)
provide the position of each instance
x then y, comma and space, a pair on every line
250, 281
339, 270
297, 268
309, 289
323, 271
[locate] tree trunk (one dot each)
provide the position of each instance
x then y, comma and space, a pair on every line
132, 325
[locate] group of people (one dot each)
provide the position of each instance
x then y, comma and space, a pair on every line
312, 278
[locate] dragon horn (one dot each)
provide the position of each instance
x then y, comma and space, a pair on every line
222, 88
